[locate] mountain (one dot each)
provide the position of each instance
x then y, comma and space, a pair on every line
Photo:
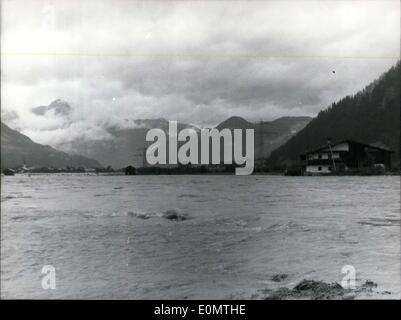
371, 116
59, 107
126, 147
235, 123
16, 147
269, 135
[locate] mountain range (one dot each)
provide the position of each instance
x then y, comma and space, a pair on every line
127, 145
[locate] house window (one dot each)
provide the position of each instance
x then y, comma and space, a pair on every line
319, 168
320, 156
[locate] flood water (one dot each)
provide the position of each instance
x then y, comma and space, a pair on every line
107, 237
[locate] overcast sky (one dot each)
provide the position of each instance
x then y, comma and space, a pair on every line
192, 61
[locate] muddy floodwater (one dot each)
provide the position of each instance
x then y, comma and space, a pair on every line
196, 237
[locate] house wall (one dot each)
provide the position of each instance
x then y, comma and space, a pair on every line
324, 154
315, 169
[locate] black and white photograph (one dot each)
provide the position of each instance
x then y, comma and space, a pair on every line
200, 150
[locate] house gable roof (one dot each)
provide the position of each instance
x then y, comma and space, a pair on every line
344, 141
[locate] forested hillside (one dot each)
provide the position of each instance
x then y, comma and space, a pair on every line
370, 116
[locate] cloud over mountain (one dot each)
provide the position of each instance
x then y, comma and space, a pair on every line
197, 62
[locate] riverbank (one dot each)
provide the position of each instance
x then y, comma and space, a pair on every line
320, 290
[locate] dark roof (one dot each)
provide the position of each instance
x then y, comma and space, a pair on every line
343, 141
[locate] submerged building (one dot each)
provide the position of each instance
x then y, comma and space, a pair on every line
345, 156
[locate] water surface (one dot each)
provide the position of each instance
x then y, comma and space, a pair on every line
107, 237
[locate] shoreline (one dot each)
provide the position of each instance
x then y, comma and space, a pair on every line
117, 173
